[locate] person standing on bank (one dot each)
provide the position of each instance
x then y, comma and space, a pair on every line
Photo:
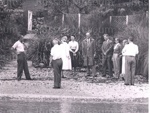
74, 47
22, 65
56, 63
107, 52
89, 52
131, 51
125, 42
65, 55
116, 58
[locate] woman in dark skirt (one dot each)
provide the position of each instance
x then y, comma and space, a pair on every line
74, 47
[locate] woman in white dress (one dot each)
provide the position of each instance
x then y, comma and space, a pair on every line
123, 59
66, 59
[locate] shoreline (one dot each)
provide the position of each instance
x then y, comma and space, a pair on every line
57, 98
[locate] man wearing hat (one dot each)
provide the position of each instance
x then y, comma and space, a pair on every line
19, 46
107, 52
89, 52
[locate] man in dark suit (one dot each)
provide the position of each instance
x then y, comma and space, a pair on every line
88, 52
107, 51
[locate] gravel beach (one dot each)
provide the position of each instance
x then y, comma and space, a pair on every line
42, 86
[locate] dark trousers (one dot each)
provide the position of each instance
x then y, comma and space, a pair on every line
47, 55
116, 65
57, 68
130, 66
90, 67
107, 62
22, 66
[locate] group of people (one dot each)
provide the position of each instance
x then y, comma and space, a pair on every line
64, 57
126, 52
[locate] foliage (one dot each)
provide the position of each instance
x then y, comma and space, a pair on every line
11, 24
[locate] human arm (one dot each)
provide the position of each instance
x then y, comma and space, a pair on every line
70, 47
77, 48
110, 48
51, 57
13, 48
102, 48
82, 49
94, 47
124, 50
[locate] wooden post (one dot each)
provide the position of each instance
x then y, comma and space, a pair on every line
29, 20
127, 19
110, 19
79, 20
63, 19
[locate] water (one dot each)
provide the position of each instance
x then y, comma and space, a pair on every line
70, 107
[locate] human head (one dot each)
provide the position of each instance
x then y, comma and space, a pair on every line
72, 38
125, 42
88, 35
20, 37
64, 39
55, 41
130, 39
106, 36
117, 40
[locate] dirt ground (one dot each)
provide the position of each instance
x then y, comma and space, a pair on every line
73, 86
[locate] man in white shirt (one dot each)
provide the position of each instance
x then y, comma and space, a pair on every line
19, 46
56, 61
130, 50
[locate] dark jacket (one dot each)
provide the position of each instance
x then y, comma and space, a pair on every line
107, 48
88, 51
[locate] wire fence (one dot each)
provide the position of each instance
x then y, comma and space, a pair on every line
79, 24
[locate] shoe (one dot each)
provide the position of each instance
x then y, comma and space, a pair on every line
18, 79
123, 79
88, 74
126, 84
56, 87
29, 79
103, 75
94, 75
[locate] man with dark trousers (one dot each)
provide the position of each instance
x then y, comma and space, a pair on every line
107, 52
19, 46
56, 62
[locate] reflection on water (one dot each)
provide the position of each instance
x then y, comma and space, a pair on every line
70, 107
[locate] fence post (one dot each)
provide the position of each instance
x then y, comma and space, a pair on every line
110, 19
127, 19
79, 22
63, 19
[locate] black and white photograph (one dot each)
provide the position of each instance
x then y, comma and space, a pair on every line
74, 56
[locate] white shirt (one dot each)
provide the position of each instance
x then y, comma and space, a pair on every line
19, 47
74, 45
130, 49
56, 52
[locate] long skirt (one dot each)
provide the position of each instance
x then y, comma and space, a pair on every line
73, 59
123, 65
66, 63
